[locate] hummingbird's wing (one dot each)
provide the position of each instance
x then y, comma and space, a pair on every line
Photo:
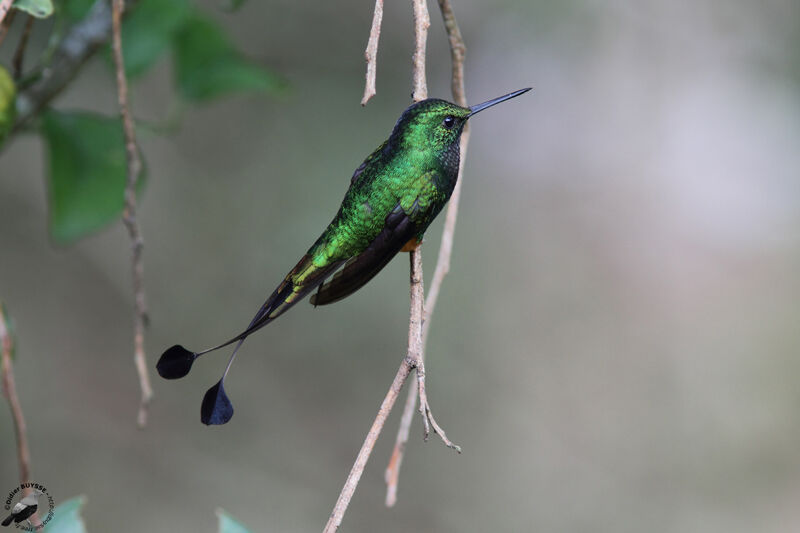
302, 279
372, 158
398, 229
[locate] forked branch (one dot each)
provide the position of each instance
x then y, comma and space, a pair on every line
371, 53
10, 392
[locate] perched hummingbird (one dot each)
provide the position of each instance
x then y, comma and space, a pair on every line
393, 197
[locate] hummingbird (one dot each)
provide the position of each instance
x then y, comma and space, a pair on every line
393, 197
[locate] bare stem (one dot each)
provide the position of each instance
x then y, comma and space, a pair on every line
366, 449
422, 21
10, 392
5, 23
393, 469
457, 54
5, 7
371, 53
129, 214
19, 54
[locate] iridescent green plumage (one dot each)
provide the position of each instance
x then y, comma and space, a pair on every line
393, 197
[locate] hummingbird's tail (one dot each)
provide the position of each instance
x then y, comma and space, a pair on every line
176, 361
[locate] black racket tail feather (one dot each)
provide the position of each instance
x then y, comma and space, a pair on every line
175, 362
216, 408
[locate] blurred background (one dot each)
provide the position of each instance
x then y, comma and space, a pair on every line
615, 349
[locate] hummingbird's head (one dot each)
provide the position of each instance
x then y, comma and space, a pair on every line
437, 123
431, 123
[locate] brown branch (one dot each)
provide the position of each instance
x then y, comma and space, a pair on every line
79, 44
19, 54
5, 24
371, 53
422, 22
129, 214
366, 449
457, 54
10, 392
392, 473
5, 8
416, 348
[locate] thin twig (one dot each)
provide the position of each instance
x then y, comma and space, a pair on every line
10, 392
5, 24
393, 469
458, 51
19, 54
457, 54
129, 214
5, 7
371, 53
366, 449
422, 22
416, 349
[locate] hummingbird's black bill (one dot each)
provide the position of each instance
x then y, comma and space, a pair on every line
480, 107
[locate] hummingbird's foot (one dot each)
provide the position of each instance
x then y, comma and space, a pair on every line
411, 245
428, 421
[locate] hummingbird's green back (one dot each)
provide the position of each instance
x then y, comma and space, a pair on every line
393, 196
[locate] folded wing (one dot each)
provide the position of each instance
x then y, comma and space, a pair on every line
398, 229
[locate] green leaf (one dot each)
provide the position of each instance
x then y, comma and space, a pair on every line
8, 109
87, 174
228, 525
207, 65
234, 5
66, 517
75, 9
148, 31
38, 8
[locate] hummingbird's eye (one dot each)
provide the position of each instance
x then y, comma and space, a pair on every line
449, 121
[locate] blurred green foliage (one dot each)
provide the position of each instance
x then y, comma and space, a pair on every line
208, 66
148, 32
87, 172
87, 167
8, 94
228, 525
67, 517
38, 8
